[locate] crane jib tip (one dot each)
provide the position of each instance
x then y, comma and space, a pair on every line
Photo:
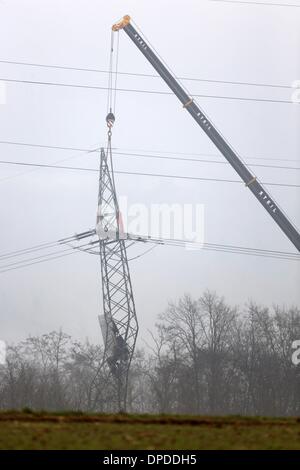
121, 24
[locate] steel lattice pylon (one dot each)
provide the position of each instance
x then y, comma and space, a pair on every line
119, 322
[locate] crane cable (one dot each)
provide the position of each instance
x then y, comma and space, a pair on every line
112, 75
111, 106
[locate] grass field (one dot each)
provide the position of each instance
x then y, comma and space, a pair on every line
80, 431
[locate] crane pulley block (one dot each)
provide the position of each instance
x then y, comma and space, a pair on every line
110, 120
121, 24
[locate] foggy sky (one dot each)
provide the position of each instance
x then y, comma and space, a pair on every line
201, 39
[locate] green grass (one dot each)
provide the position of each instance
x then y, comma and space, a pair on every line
42, 430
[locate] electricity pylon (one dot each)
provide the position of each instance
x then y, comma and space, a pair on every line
119, 322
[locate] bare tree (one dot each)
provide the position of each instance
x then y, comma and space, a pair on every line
205, 357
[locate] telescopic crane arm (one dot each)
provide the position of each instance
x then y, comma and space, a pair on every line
249, 179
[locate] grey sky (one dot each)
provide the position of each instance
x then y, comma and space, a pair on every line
197, 39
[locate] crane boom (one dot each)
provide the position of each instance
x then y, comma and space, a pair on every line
249, 179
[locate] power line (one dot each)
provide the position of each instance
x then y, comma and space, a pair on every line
201, 160
200, 178
18, 253
53, 147
86, 151
135, 239
144, 253
238, 247
38, 262
259, 3
134, 74
226, 248
47, 245
170, 242
42, 165
16, 263
43, 258
152, 92
233, 251
206, 155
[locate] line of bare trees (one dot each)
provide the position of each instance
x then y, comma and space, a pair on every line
205, 357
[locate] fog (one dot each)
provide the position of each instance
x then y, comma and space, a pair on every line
208, 40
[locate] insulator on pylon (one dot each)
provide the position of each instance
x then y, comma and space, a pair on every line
110, 119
